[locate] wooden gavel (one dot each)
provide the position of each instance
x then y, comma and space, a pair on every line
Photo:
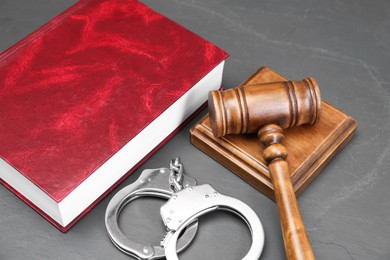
268, 109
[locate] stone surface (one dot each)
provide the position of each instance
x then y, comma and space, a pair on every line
345, 45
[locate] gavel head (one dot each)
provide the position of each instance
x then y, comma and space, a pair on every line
247, 108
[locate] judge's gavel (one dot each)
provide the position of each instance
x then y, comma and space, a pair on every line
268, 109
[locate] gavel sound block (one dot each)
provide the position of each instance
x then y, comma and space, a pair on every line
310, 147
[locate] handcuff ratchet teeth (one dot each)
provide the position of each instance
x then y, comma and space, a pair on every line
151, 183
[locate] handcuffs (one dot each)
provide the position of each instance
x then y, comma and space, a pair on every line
186, 202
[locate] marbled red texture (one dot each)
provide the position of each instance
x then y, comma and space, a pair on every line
78, 89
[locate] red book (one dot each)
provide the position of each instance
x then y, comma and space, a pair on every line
89, 96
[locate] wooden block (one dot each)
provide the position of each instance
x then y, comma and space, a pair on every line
310, 147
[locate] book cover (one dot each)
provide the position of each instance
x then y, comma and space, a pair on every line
90, 95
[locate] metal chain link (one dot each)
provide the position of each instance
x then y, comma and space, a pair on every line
176, 175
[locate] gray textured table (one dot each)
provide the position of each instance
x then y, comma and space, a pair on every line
344, 44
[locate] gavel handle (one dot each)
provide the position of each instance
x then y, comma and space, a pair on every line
296, 241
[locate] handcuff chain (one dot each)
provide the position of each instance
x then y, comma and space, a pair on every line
176, 183
176, 174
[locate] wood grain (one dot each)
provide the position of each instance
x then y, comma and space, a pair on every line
310, 147
268, 108
295, 238
243, 109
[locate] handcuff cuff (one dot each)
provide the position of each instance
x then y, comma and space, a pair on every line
186, 202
